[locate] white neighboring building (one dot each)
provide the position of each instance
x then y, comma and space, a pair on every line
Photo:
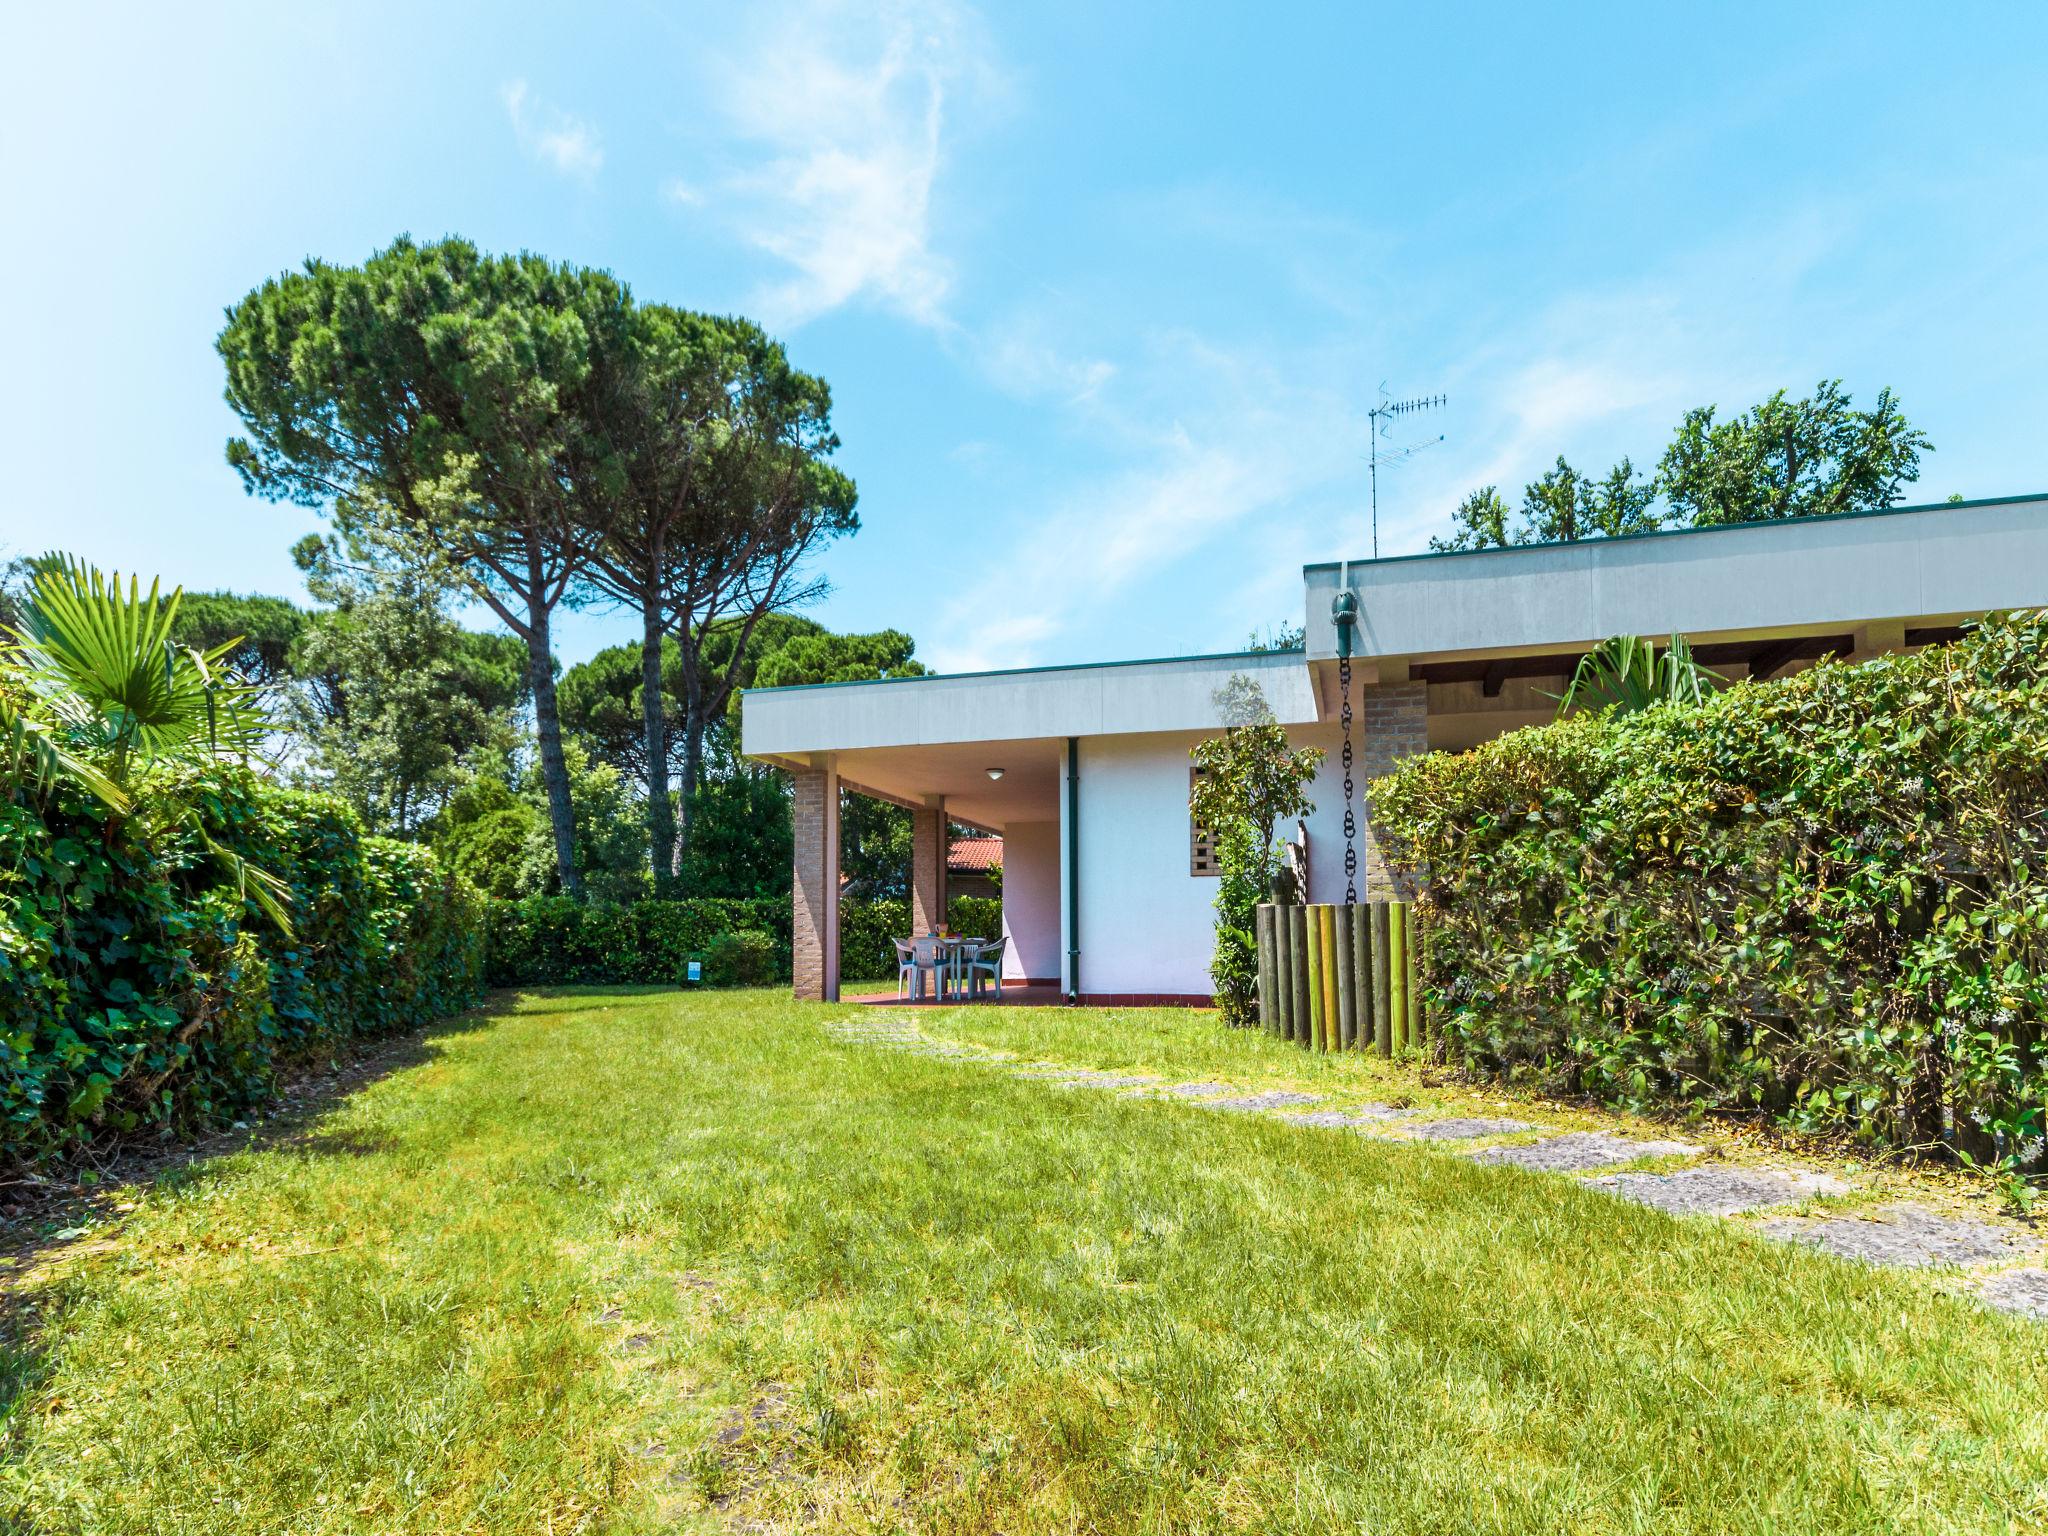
1104, 893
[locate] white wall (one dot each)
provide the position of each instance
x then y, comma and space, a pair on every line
1031, 899
1147, 925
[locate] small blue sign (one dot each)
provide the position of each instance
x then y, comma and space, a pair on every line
696, 970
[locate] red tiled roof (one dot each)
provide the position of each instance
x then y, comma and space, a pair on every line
973, 855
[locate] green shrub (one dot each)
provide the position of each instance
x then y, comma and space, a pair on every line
1823, 899
744, 957
140, 987
868, 931
549, 940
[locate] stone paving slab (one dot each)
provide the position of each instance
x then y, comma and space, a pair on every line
1190, 1090
1576, 1151
2024, 1291
1717, 1191
1273, 1098
1103, 1080
1329, 1119
1464, 1128
1904, 1235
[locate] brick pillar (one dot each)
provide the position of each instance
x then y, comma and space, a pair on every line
927, 869
814, 903
1394, 723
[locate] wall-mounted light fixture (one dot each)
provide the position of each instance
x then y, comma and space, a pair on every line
995, 773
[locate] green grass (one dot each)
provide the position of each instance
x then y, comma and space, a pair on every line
627, 1261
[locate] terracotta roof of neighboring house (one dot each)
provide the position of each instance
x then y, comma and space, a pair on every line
973, 855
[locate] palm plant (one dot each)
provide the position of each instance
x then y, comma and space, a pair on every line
100, 660
103, 690
1627, 673
31, 753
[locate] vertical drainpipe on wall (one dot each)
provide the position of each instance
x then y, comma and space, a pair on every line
1073, 871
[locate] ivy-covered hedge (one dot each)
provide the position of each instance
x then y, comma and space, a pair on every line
1823, 898
549, 940
139, 988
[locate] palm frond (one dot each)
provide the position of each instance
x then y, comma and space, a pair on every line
100, 658
30, 753
271, 895
1627, 673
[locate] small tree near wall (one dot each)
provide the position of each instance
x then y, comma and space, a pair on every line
1251, 780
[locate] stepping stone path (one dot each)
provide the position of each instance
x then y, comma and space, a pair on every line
1464, 1129
1356, 1118
1106, 1080
1905, 1236
1577, 1151
2024, 1291
1717, 1191
1259, 1103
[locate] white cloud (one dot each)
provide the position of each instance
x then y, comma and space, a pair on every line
841, 117
550, 135
1242, 461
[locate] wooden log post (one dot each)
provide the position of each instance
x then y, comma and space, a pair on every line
1347, 983
1382, 983
1283, 977
1262, 940
1297, 982
1360, 919
1397, 966
1415, 1036
1316, 962
1326, 916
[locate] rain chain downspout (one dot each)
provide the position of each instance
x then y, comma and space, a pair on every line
1344, 617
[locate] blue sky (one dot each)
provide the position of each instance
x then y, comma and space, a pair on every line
1103, 292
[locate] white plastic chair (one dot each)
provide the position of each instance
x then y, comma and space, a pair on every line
984, 959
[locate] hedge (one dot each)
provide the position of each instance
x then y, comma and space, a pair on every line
138, 988
549, 940
1823, 899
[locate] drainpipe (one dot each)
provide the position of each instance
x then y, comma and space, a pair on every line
1073, 871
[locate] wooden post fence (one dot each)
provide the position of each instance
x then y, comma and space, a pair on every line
1343, 978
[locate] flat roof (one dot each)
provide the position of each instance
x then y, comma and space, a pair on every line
1028, 704
1072, 666
1956, 505
1926, 564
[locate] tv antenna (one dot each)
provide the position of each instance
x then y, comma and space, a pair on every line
1378, 416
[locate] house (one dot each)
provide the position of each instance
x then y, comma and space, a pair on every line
1084, 770
974, 867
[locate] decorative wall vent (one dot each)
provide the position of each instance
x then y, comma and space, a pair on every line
1201, 852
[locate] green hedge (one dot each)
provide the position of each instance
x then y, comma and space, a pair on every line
1824, 899
138, 988
868, 931
549, 940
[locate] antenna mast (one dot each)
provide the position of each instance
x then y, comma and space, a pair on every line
1379, 413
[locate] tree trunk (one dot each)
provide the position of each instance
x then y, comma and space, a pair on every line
661, 816
547, 726
693, 767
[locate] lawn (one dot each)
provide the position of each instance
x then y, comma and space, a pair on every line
630, 1261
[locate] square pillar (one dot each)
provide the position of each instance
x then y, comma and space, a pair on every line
928, 868
1393, 723
814, 893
